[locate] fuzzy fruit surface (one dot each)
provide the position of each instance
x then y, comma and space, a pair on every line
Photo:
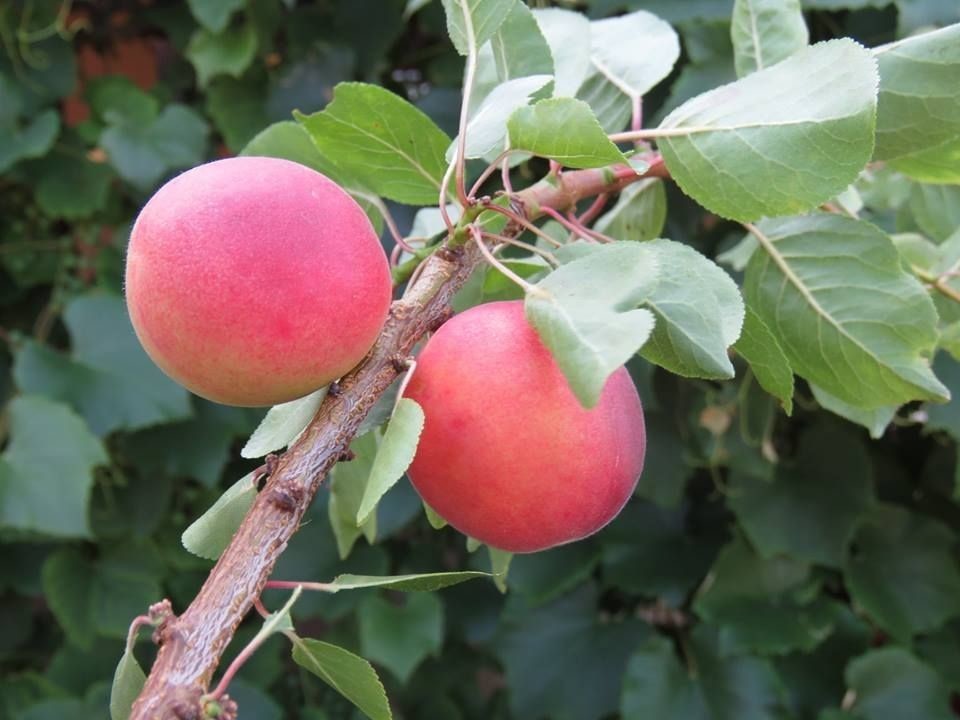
508, 455
254, 281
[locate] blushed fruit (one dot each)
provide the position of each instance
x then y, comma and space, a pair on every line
254, 281
508, 455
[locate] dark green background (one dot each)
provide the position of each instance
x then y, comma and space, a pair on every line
840, 589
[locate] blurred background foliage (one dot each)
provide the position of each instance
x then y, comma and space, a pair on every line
836, 595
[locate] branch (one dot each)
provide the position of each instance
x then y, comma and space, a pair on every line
192, 644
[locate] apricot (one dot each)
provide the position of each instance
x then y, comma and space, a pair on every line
254, 281
508, 455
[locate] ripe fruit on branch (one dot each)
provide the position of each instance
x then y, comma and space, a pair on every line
508, 455
254, 281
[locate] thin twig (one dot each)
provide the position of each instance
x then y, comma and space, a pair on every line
528, 288
548, 256
525, 224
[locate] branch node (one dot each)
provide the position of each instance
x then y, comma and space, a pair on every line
286, 499
400, 362
450, 254
222, 708
334, 389
443, 316
346, 456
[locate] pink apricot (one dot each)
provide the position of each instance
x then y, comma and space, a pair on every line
508, 455
254, 281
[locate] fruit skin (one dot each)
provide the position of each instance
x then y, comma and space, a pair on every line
508, 455
254, 281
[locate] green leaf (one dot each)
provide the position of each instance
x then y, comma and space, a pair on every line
401, 637
229, 52
567, 34
921, 69
698, 311
34, 469
500, 561
903, 572
394, 455
283, 424
348, 674
841, 281
946, 417
764, 32
117, 100
759, 147
639, 214
470, 23
420, 582
762, 604
657, 685
584, 313
891, 684
543, 649
237, 108
32, 140
381, 140
108, 378
348, 484
487, 128
209, 535
214, 14
565, 130
128, 681
610, 106
813, 505
142, 154
613, 51
875, 420
519, 48
279, 621
760, 348
936, 208
67, 581
72, 187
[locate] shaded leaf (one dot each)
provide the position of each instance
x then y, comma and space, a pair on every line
470, 23
764, 32
229, 52
209, 535
891, 684
639, 214
770, 366
401, 637
348, 674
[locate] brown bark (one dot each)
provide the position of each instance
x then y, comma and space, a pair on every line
191, 645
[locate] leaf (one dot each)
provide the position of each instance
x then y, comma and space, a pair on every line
33, 469
384, 142
841, 281
229, 52
67, 580
128, 681
470, 23
565, 130
610, 106
903, 572
698, 311
920, 69
567, 34
814, 503
639, 214
760, 348
759, 147
542, 649
875, 420
394, 455
500, 561
420, 582
72, 187
108, 378
214, 14
277, 622
487, 129
762, 605
118, 100
348, 484
30, 141
764, 32
401, 637
519, 48
283, 424
142, 154
657, 685
348, 674
584, 314
209, 535
936, 208
891, 684
614, 42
